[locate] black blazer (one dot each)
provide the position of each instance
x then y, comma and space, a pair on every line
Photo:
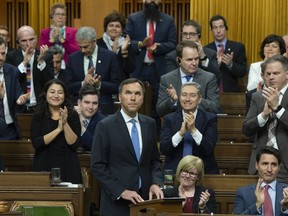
126, 65
15, 58
239, 68
210, 206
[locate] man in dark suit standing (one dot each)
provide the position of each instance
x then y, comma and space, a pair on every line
26, 59
267, 197
267, 117
125, 158
153, 35
10, 95
95, 66
89, 115
231, 55
191, 31
189, 131
170, 84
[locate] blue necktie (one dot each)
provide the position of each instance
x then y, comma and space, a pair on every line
188, 144
90, 62
188, 77
136, 145
135, 139
85, 123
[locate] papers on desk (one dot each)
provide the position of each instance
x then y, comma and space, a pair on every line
66, 184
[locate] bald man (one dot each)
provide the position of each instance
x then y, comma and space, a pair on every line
27, 56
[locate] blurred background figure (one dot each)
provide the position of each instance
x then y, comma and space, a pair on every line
55, 133
285, 37
58, 34
271, 45
113, 39
4, 33
189, 176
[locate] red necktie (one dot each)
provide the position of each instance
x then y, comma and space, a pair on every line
268, 208
151, 33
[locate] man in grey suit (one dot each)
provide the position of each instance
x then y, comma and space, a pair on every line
170, 84
252, 199
129, 172
268, 109
191, 31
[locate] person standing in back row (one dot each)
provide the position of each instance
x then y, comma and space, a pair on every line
231, 55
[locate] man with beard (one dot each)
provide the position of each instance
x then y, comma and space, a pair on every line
153, 35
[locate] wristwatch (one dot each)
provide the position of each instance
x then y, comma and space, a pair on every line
278, 109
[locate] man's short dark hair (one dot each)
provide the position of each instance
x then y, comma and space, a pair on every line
218, 17
131, 80
88, 90
268, 150
276, 58
182, 45
195, 24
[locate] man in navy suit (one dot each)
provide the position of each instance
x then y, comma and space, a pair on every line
191, 31
170, 84
231, 55
250, 200
125, 158
89, 115
150, 51
10, 95
201, 126
95, 66
27, 55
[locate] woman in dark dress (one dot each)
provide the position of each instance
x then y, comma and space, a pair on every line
55, 132
114, 40
189, 175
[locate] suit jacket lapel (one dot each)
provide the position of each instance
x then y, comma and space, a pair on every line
8, 86
279, 197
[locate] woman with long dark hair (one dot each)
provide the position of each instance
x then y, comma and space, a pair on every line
55, 132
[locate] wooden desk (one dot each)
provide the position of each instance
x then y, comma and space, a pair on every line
24, 121
75, 195
233, 103
230, 129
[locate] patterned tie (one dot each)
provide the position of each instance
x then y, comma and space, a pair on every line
188, 144
151, 33
268, 208
90, 62
135, 139
85, 123
220, 49
272, 130
28, 77
188, 77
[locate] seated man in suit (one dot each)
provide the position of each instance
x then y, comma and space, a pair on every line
95, 66
170, 84
191, 31
231, 55
268, 196
89, 115
189, 131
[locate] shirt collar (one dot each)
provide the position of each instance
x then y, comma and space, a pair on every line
283, 90
195, 113
182, 74
128, 118
272, 185
222, 42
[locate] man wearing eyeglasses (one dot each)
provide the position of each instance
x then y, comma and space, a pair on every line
95, 66
4, 33
189, 131
191, 31
27, 59
231, 55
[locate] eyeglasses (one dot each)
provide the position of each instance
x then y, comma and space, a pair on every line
191, 174
60, 14
190, 34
